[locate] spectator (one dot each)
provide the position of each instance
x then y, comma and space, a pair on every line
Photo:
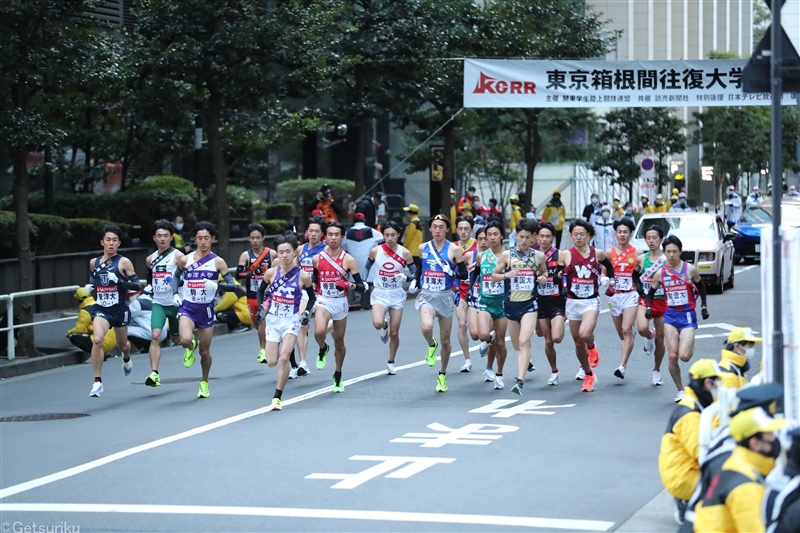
659, 206
616, 208
673, 199
754, 198
782, 501
733, 207
326, 204
516, 212
369, 208
627, 212
555, 213
733, 500
412, 237
739, 351
646, 207
680, 206
358, 241
492, 212
233, 311
531, 214
591, 209
177, 237
793, 191
468, 199
81, 335
604, 234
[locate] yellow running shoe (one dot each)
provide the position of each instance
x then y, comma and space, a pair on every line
188, 355
153, 380
441, 383
276, 404
262, 356
430, 359
203, 392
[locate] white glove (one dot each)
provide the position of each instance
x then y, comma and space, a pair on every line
112, 277
366, 286
177, 300
604, 281
401, 278
89, 288
148, 290
413, 289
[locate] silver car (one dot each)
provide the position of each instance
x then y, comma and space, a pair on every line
706, 243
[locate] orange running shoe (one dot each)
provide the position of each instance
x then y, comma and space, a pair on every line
588, 384
594, 357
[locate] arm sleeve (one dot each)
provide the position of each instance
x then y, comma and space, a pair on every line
262, 288
418, 277
359, 282
229, 285
609, 267
650, 294
240, 271
412, 269
462, 271
369, 264
132, 283
473, 277
637, 282
176, 281
312, 298
315, 277
701, 288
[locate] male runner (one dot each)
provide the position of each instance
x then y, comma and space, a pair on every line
439, 259
521, 267
333, 267
647, 265
680, 280
250, 271
552, 303
623, 298
473, 297
201, 270
469, 249
388, 294
581, 267
112, 276
164, 286
315, 229
283, 286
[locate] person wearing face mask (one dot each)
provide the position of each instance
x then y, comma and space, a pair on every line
733, 207
782, 501
733, 500
591, 208
646, 207
754, 198
680, 206
678, 459
739, 351
659, 206
177, 235
604, 234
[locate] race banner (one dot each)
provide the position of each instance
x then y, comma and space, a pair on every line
498, 83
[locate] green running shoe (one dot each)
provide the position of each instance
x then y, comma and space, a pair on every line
188, 355
338, 386
322, 358
430, 359
262, 356
276, 404
441, 383
153, 380
203, 392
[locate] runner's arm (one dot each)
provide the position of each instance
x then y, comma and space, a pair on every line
262, 288
241, 268
498, 274
609, 267
370, 260
228, 285
698, 283
637, 281
126, 269
655, 283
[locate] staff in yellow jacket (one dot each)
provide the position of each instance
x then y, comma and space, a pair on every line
81, 335
733, 499
516, 212
740, 347
677, 461
234, 311
555, 213
659, 206
412, 237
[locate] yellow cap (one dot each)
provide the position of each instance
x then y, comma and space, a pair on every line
615, 199
514, 198
453, 191
557, 191
675, 191
756, 420
659, 196
742, 334
412, 207
704, 368
81, 294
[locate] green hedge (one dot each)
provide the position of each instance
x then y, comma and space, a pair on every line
53, 235
283, 211
303, 191
168, 182
275, 227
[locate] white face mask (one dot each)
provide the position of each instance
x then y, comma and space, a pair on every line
750, 353
594, 200
606, 215
715, 393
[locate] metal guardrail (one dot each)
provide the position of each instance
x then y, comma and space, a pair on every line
9, 298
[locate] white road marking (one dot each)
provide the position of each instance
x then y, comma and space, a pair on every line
745, 269
385, 466
289, 512
533, 407
46, 480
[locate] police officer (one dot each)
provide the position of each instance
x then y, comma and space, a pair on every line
739, 351
782, 502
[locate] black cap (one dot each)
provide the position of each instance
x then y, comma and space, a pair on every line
758, 396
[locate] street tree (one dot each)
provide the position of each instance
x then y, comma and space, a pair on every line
45, 48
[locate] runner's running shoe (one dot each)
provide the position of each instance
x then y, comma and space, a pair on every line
553, 381
594, 357
127, 367
620, 372
517, 388
467, 366
153, 380
338, 386
441, 383
488, 376
483, 349
276, 404
293, 373
203, 392
385, 334
97, 389
680, 396
498, 383
188, 355
430, 359
390, 369
588, 384
303, 370
262, 356
322, 357
657, 379
531, 368
581, 375
649, 344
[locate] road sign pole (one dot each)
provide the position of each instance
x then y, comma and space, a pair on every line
776, 175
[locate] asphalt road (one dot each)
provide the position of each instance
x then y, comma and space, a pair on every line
161, 460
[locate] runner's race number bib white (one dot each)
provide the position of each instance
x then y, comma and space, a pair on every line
433, 280
491, 288
282, 306
677, 298
255, 282
647, 284
623, 283
329, 289
582, 288
107, 295
549, 288
525, 280
388, 279
199, 293
160, 283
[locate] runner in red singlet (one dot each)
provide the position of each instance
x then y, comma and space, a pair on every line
469, 248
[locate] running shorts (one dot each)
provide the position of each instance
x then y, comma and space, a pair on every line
201, 314
516, 310
658, 307
577, 307
337, 307
493, 306
278, 327
621, 301
440, 301
389, 298
680, 320
161, 314
252, 304
552, 306
117, 316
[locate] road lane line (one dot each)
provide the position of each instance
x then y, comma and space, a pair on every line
745, 269
46, 480
289, 512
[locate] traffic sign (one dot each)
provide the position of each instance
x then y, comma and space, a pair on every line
757, 74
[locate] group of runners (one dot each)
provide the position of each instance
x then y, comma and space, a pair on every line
532, 287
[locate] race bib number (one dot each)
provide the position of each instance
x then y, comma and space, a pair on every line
548, 289
525, 281
388, 279
198, 292
647, 285
162, 282
677, 298
623, 284
433, 280
491, 288
281, 306
329, 289
582, 290
107, 295
255, 282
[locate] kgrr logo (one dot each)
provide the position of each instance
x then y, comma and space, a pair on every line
487, 84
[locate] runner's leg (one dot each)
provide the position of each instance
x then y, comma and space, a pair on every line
339, 327
261, 328
659, 350
686, 344
499, 326
379, 316
462, 313
395, 317
100, 327
426, 317
122, 343
186, 329
445, 325
204, 340
580, 346
321, 318
286, 348
302, 341
627, 319
672, 338
525, 329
